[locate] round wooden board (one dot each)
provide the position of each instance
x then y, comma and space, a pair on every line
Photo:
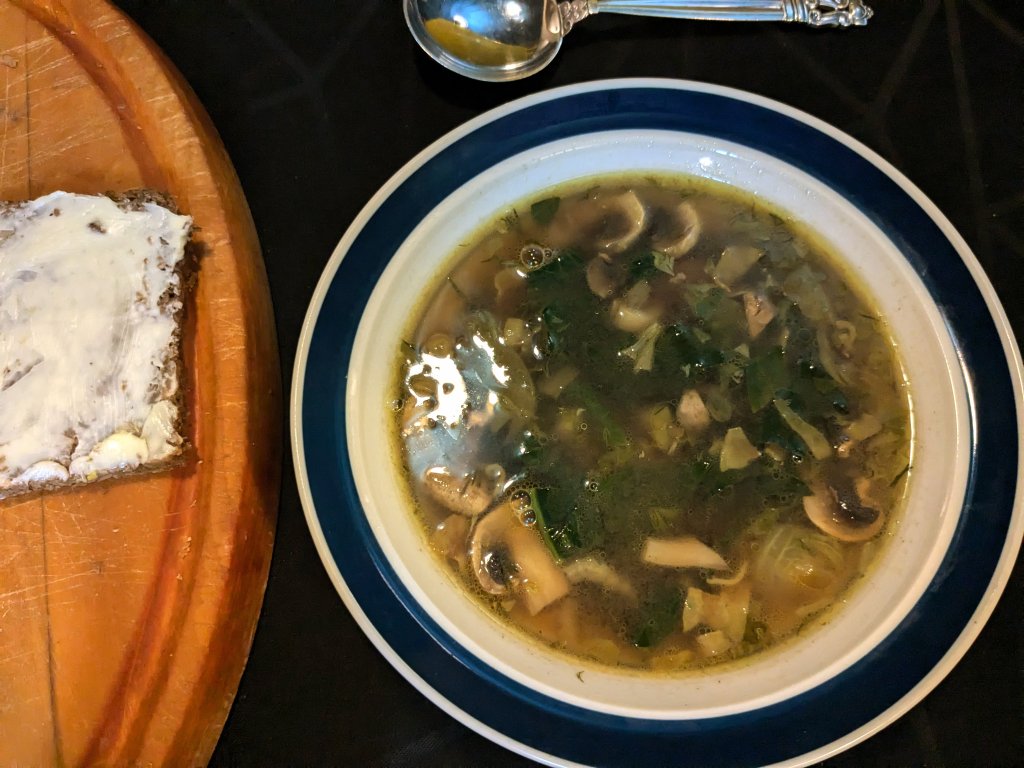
127, 608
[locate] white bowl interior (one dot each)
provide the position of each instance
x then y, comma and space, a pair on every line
940, 441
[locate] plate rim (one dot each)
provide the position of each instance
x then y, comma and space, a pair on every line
1010, 351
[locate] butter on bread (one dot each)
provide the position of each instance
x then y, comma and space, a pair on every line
91, 292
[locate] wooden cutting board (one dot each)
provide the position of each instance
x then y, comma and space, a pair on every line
127, 609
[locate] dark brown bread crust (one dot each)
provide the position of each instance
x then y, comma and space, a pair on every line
135, 199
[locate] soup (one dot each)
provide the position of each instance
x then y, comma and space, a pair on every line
652, 422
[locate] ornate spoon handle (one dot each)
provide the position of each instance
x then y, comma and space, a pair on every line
817, 13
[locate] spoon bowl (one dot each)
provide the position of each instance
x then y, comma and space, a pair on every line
492, 41
499, 40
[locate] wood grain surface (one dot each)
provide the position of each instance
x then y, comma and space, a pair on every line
127, 609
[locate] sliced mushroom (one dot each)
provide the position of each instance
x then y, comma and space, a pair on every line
691, 412
682, 552
488, 554
599, 572
510, 557
842, 515
635, 312
759, 310
600, 277
607, 222
735, 262
633, 319
465, 495
680, 232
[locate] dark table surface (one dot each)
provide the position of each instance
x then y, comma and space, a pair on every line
320, 101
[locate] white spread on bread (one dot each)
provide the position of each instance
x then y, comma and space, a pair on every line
89, 310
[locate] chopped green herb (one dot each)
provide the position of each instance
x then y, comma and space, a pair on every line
642, 266
664, 263
543, 211
765, 376
614, 435
511, 218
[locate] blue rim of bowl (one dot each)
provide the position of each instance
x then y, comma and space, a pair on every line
832, 716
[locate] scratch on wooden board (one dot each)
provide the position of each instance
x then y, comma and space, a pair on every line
62, 538
59, 63
30, 653
29, 46
7, 561
29, 593
8, 61
8, 119
88, 133
153, 100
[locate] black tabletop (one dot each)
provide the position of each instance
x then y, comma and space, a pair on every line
320, 101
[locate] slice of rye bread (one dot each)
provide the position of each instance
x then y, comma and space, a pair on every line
92, 294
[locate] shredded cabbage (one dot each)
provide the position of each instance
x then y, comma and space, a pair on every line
799, 563
820, 447
737, 451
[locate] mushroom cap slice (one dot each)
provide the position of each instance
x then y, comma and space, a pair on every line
464, 495
845, 519
682, 232
633, 319
486, 544
635, 311
528, 569
734, 263
606, 222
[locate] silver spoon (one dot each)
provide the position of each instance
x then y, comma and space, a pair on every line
510, 39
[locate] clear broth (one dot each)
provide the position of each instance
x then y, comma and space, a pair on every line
620, 407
